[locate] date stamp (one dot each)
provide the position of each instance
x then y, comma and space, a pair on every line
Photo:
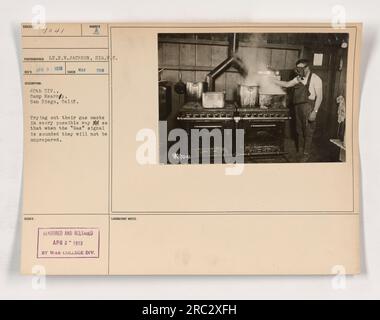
68, 242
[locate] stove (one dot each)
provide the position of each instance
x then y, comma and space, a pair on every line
264, 129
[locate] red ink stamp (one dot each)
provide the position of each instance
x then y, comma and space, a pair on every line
68, 242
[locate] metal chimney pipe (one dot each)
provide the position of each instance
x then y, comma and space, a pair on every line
234, 44
223, 66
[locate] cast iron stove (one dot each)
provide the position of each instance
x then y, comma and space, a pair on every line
264, 129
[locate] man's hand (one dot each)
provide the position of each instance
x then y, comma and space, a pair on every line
312, 116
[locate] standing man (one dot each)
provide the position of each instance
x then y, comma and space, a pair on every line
307, 99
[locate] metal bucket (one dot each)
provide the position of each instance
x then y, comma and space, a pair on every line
194, 90
213, 100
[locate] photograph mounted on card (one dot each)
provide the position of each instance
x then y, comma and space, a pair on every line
191, 149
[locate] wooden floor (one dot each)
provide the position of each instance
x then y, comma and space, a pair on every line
322, 151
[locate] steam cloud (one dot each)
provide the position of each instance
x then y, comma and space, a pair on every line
261, 76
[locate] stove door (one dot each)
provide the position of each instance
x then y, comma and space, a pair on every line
209, 141
263, 138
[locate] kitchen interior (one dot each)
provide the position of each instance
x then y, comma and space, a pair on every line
209, 81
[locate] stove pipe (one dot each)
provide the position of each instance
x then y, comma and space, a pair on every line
232, 60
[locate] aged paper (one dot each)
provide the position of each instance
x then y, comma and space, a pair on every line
115, 178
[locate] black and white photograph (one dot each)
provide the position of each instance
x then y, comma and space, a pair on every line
252, 97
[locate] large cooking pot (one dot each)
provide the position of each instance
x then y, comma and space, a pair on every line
247, 95
275, 101
194, 90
